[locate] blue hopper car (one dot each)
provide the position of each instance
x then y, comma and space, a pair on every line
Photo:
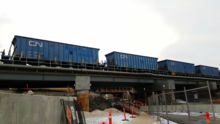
119, 59
26, 48
176, 66
207, 70
37, 52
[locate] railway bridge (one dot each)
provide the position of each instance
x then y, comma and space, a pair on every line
128, 85
99, 80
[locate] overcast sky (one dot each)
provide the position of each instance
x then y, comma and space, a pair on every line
184, 30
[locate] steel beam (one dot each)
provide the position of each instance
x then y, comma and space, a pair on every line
108, 76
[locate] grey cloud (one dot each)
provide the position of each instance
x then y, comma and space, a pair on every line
198, 52
1, 47
198, 25
4, 20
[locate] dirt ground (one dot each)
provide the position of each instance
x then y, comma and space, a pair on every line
97, 117
97, 102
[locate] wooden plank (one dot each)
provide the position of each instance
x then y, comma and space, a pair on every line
45, 89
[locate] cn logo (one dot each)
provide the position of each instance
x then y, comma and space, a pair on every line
34, 43
172, 63
124, 56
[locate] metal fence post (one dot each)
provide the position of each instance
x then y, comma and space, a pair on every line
149, 109
145, 96
158, 106
123, 100
158, 116
211, 100
151, 104
161, 104
166, 106
152, 100
129, 104
187, 105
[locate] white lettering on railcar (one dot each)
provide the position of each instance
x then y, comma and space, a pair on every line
172, 63
124, 56
34, 43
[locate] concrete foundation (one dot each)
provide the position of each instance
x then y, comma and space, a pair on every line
29, 109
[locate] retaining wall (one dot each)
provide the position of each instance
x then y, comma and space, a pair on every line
31, 109
183, 108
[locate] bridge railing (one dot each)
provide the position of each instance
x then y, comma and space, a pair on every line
93, 66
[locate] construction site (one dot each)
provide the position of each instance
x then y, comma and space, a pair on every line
109, 62
33, 94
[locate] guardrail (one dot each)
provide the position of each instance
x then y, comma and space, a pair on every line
92, 66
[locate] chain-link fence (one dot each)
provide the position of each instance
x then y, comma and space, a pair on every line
187, 107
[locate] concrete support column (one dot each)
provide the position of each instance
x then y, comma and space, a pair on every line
170, 96
212, 86
82, 87
168, 86
163, 85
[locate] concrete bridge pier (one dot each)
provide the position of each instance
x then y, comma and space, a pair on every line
212, 86
82, 87
165, 86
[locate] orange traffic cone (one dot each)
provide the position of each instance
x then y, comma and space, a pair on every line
124, 116
132, 113
208, 118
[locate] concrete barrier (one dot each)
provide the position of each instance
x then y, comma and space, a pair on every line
31, 109
183, 108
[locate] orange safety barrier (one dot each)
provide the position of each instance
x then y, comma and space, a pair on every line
215, 101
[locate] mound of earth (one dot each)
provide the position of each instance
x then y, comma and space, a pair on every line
97, 102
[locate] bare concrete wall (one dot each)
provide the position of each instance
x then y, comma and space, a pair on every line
183, 108
27, 109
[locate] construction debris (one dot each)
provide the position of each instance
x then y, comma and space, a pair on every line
97, 102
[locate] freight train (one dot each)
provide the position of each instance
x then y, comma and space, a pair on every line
32, 51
